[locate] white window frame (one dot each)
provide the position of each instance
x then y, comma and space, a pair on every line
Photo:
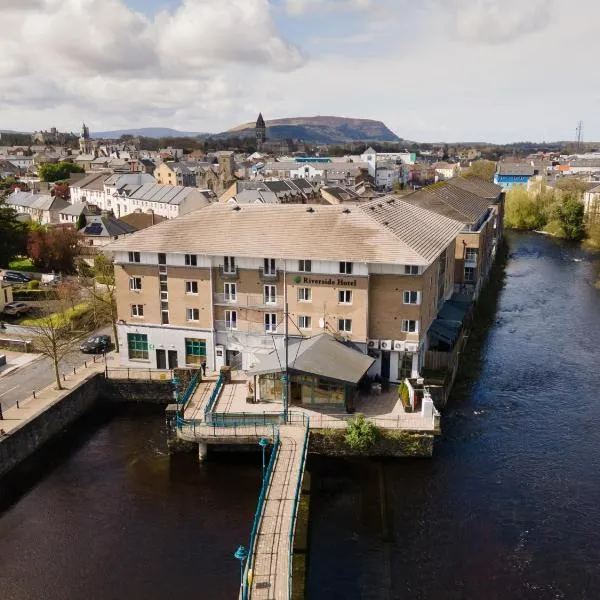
230, 292
346, 267
133, 284
301, 293
269, 266
231, 319
345, 296
135, 311
471, 259
191, 260
190, 313
411, 270
343, 325
189, 288
229, 265
470, 280
408, 295
268, 297
406, 325
270, 321
304, 322
134, 257
303, 264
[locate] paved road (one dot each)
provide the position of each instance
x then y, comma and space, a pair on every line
37, 375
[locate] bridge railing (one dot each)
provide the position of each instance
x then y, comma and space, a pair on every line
189, 390
266, 483
214, 396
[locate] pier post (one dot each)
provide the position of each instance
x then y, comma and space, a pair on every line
202, 451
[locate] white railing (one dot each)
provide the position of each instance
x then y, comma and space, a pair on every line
249, 327
248, 300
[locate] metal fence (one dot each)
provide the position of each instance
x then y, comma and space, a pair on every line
165, 375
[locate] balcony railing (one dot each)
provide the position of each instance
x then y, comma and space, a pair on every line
230, 274
248, 301
249, 327
268, 275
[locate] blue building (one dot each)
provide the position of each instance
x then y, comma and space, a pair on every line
511, 174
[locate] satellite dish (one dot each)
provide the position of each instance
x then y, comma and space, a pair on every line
321, 323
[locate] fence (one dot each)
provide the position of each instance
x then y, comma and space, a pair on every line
438, 361
148, 374
189, 390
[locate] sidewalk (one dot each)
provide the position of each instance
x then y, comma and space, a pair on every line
16, 360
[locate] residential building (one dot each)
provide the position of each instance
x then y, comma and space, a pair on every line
296, 191
510, 174
141, 220
446, 170
70, 214
342, 173
173, 173
212, 285
591, 202
219, 177
104, 228
6, 294
90, 189
41, 208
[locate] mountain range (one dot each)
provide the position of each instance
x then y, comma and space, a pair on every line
151, 132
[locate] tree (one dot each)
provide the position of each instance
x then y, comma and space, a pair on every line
360, 433
57, 172
81, 221
61, 190
103, 291
54, 249
13, 235
485, 169
54, 338
570, 214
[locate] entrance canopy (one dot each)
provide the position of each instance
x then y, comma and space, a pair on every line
322, 356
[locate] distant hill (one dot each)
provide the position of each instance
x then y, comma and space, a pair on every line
151, 132
325, 130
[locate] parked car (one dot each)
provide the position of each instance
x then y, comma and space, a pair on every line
96, 345
50, 279
16, 309
15, 277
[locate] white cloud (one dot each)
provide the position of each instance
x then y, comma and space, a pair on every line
301, 7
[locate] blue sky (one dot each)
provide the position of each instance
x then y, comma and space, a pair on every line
432, 70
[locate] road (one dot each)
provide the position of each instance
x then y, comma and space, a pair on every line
37, 375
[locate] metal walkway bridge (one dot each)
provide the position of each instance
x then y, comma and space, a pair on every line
268, 569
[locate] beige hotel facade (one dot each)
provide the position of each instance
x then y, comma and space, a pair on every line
212, 285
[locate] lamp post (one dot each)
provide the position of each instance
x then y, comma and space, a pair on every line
176, 383
241, 554
263, 443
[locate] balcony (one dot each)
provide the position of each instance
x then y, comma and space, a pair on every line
248, 301
268, 275
248, 327
229, 275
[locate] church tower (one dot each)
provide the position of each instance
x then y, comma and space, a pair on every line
261, 132
85, 143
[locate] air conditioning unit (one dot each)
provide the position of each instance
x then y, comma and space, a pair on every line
373, 344
398, 346
386, 344
411, 346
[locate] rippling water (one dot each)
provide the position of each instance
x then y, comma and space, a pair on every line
510, 505
110, 516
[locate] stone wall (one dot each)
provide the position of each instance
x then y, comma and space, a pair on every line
148, 392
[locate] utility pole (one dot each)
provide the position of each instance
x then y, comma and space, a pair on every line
579, 131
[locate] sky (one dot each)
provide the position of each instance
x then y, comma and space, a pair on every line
431, 70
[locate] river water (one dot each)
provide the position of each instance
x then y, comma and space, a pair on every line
509, 507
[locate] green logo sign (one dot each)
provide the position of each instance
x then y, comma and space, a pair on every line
297, 279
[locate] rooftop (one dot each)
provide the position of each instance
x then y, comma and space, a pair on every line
479, 187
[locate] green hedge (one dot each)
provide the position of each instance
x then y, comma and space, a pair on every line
72, 315
25, 294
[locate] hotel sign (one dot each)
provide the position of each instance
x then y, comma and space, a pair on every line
327, 281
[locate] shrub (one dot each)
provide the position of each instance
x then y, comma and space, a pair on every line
34, 284
360, 433
26, 294
405, 396
72, 315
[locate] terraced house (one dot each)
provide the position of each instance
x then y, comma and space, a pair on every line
213, 285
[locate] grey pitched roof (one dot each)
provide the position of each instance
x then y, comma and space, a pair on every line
479, 187
36, 201
74, 209
262, 196
95, 181
398, 233
106, 226
451, 201
515, 169
322, 356
155, 192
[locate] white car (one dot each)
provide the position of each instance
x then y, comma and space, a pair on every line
15, 308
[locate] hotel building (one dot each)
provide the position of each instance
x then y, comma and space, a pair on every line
213, 285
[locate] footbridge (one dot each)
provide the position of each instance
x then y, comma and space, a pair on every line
267, 570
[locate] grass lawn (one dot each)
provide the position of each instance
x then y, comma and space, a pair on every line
22, 264
59, 319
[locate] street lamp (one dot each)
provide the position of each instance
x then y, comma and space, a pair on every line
263, 443
241, 554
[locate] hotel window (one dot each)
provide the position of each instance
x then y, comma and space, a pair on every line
192, 314
271, 322
469, 274
230, 319
411, 298
346, 268
345, 325
137, 310
191, 260
304, 294
135, 284
134, 257
137, 345
191, 287
269, 266
411, 270
230, 292
345, 296
410, 326
162, 258
195, 351
270, 294
304, 266
164, 315
471, 254
304, 322
229, 264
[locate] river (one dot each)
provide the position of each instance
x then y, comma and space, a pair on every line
509, 507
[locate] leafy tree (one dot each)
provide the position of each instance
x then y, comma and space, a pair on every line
54, 249
81, 221
360, 433
57, 172
570, 214
525, 210
13, 235
485, 169
61, 190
